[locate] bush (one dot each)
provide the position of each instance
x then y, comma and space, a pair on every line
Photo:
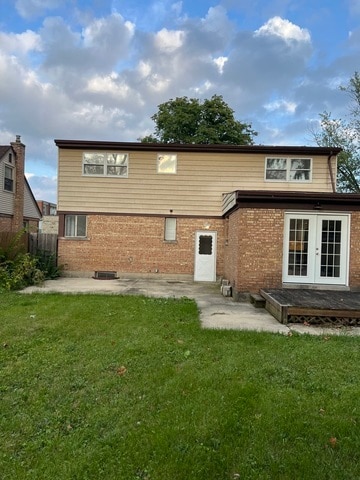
20, 272
19, 269
46, 262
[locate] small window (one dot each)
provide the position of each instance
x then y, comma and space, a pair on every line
166, 163
170, 229
8, 179
75, 225
105, 164
288, 169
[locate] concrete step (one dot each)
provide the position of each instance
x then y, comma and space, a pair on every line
257, 300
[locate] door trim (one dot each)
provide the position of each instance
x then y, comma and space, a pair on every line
314, 243
207, 274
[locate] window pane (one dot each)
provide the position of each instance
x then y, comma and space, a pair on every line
275, 175
70, 226
166, 163
119, 171
276, 163
170, 229
300, 169
94, 169
81, 226
117, 159
276, 168
205, 245
94, 158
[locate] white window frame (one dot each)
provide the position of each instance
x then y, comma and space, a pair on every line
107, 165
288, 170
170, 225
166, 158
12, 170
75, 227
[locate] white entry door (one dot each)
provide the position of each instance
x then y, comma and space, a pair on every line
205, 257
316, 249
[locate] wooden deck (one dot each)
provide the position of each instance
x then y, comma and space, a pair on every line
289, 305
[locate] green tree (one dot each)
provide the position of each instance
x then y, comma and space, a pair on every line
188, 120
346, 135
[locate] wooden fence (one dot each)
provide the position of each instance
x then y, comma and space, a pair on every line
43, 242
33, 243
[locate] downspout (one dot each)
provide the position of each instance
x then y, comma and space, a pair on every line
333, 184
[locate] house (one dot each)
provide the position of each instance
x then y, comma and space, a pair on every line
18, 207
50, 221
258, 216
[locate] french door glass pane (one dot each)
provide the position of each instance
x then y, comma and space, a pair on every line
298, 247
330, 248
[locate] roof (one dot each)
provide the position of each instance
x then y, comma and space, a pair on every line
284, 199
182, 147
4, 149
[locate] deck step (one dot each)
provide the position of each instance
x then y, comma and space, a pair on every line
257, 300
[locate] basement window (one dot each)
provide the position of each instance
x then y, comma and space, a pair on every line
105, 275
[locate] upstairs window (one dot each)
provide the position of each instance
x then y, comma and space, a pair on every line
106, 164
166, 163
8, 179
288, 169
75, 225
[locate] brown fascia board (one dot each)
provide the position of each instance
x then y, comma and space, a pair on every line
181, 147
282, 198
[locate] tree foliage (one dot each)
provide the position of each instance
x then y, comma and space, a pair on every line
346, 135
188, 120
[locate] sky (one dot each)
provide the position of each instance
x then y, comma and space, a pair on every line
97, 70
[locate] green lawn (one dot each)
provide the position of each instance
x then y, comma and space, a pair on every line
130, 388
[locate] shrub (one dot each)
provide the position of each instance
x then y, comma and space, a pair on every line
20, 272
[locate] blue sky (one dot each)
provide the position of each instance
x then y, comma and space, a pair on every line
97, 70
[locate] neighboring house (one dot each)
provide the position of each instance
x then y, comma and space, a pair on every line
18, 207
258, 216
50, 221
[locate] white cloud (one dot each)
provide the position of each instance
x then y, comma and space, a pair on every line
282, 105
220, 62
20, 43
34, 8
168, 41
284, 29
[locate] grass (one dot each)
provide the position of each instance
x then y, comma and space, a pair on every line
130, 388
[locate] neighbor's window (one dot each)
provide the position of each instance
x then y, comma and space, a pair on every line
288, 169
75, 225
8, 179
105, 164
170, 229
166, 163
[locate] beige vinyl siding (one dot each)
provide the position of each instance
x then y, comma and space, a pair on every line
196, 188
6, 198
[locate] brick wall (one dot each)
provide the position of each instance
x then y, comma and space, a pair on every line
254, 253
5, 224
19, 148
354, 260
135, 244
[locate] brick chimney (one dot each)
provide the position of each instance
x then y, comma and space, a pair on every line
18, 218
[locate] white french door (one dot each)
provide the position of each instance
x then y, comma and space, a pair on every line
316, 248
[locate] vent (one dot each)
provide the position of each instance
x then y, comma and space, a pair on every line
102, 275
